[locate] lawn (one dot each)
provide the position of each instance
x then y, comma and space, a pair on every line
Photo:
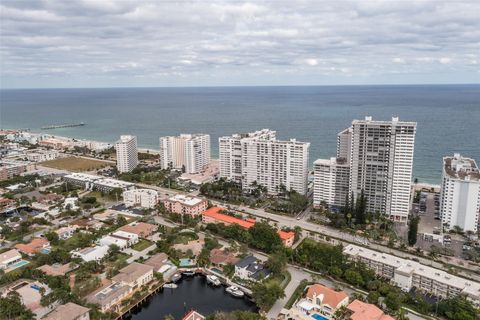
75, 164
142, 245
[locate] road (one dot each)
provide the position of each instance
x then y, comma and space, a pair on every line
138, 254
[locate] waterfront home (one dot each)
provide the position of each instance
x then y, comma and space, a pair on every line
68, 311
35, 246
220, 258
358, 310
322, 300
65, 233
134, 275
57, 269
182, 204
157, 261
96, 253
141, 229
9, 259
250, 268
193, 315
109, 296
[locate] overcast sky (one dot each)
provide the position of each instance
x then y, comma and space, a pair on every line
106, 43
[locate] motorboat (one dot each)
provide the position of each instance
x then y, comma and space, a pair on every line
170, 285
176, 277
213, 280
188, 273
235, 291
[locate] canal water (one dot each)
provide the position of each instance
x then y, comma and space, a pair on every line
192, 293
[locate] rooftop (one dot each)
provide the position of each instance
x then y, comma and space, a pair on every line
33, 246
366, 311
330, 297
56, 269
214, 212
462, 168
139, 228
69, 311
10, 254
186, 200
132, 272
108, 294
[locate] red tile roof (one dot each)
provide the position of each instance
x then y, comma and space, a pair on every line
366, 311
32, 247
330, 297
284, 235
214, 213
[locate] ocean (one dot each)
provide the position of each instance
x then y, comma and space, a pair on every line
448, 116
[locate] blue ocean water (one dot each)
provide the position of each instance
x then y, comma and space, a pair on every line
448, 116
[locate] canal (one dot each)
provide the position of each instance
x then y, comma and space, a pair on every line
192, 293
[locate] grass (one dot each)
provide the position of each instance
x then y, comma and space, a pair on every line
185, 237
142, 245
75, 164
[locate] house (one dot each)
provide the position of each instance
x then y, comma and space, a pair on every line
193, 315
220, 257
121, 239
134, 275
250, 268
109, 296
157, 261
322, 300
288, 237
9, 258
30, 294
35, 246
57, 269
182, 204
358, 310
65, 233
91, 253
71, 203
69, 311
142, 229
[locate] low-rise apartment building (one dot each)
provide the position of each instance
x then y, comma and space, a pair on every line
145, 198
42, 155
182, 204
408, 274
109, 297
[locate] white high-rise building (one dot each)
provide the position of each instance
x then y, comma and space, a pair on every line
344, 145
331, 184
188, 151
460, 194
145, 198
127, 153
259, 157
381, 165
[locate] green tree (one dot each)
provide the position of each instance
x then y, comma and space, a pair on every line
264, 237
277, 262
458, 308
412, 230
266, 293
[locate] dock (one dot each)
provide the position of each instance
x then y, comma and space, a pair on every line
58, 126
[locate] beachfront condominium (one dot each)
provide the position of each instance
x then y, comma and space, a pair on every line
332, 176
381, 165
460, 193
188, 152
260, 158
127, 153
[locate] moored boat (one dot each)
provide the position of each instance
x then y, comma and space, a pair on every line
213, 280
235, 291
188, 273
176, 277
170, 285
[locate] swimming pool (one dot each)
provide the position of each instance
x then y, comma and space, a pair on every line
18, 264
45, 250
317, 316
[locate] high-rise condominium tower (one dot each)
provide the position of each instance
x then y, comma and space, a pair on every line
189, 151
127, 153
381, 165
460, 194
259, 157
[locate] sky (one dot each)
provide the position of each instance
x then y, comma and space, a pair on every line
134, 43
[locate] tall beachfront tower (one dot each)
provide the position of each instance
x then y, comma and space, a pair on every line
258, 157
127, 153
188, 151
381, 164
460, 194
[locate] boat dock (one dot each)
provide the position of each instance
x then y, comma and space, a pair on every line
67, 125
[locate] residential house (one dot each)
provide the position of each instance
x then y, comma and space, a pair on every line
37, 245
109, 296
134, 275
322, 300
57, 269
250, 268
120, 238
358, 310
142, 229
68, 311
65, 233
96, 253
220, 258
193, 315
287, 237
9, 258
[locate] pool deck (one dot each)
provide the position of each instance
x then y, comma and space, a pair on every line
17, 265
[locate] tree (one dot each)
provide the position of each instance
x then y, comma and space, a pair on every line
412, 231
52, 237
457, 308
266, 293
277, 262
394, 300
360, 209
12, 308
264, 237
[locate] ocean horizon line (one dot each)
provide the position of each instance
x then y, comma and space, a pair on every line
249, 86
